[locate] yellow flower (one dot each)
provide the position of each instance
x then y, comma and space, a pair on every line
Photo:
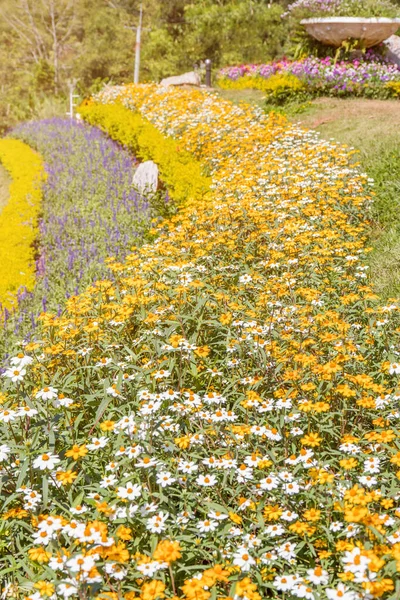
77, 452
202, 351
312, 514
225, 318
183, 442
39, 555
311, 439
107, 425
235, 518
348, 463
124, 533
66, 477
18, 219
45, 588
272, 513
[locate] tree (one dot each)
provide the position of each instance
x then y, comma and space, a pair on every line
44, 29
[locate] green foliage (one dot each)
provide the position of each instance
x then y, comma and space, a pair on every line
43, 75
235, 31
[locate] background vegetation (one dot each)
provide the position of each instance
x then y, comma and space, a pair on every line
46, 43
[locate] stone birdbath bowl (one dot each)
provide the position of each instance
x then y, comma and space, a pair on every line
333, 31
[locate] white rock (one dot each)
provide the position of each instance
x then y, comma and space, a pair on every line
393, 49
145, 178
191, 78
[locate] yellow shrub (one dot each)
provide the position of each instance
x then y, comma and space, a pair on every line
179, 171
394, 87
243, 83
18, 219
283, 82
274, 85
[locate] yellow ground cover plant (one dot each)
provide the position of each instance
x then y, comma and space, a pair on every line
180, 173
222, 419
273, 85
18, 219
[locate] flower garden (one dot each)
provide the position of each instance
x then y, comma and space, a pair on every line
208, 404
88, 189
370, 76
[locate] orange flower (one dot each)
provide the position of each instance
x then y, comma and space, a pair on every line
167, 551
152, 590
202, 351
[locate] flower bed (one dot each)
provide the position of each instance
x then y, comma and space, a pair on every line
90, 211
180, 173
222, 420
18, 221
317, 77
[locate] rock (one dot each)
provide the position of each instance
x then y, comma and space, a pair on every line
145, 178
191, 78
393, 49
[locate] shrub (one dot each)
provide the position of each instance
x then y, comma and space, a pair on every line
394, 88
279, 88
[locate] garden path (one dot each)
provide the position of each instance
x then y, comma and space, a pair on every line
4, 184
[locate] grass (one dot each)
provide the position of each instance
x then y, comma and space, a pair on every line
4, 184
370, 126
